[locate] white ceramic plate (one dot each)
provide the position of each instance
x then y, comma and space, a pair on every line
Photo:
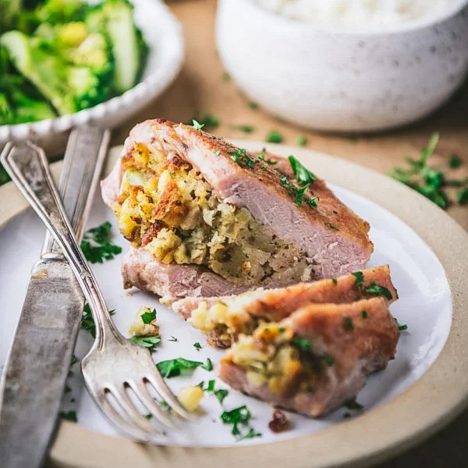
163, 33
401, 404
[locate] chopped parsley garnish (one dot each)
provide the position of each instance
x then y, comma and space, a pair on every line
148, 317
197, 125
87, 321
226, 76
334, 281
274, 137
240, 418
462, 196
301, 140
297, 192
302, 343
173, 338
97, 246
206, 121
328, 359
301, 173
364, 314
359, 281
242, 158
332, 226
253, 105
69, 416
150, 342
353, 405
261, 156
208, 365
220, 393
4, 177
181, 366
245, 128
427, 181
401, 326
377, 290
455, 161
348, 323
197, 346
313, 202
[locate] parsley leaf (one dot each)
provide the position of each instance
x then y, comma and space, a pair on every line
261, 156
197, 125
181, 366
69, 416
87, 321
150, 342
328, 359
242, 158
377, 290
401, 326
97, 246
4, 177
353, 405
455, 161
206, 121
427, 181
245, 128
348, 323
302, 343
220, 393
462, 196
301, 173
148, 317
359, 275
364, 314
301, 140
240, 418
197, 346
274, 137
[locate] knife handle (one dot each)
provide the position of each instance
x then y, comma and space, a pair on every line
82, 166
27, 166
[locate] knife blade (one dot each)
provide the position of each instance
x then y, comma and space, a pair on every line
38, 363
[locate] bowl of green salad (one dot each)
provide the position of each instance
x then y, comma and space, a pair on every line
69, 62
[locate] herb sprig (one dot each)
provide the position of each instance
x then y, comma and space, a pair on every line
430, 182
304, 177
181, 366
150, 342
97, 245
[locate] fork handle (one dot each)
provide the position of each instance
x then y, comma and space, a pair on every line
27, 165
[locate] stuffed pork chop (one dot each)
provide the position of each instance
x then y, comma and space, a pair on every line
316, 359
205, 218
222, 319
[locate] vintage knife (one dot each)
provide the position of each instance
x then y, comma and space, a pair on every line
33, 379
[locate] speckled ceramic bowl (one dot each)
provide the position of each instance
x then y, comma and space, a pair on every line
337, 81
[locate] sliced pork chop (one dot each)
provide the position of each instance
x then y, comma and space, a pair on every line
192, 199
224, 318
316, 359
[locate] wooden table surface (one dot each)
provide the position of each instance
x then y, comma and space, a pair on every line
202, 88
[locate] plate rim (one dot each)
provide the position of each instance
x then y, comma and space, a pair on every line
388, 429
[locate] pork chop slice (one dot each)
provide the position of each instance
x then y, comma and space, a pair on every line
277, 303
222, 319
316, 359
327, 239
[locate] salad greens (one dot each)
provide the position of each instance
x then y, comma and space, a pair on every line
61, 56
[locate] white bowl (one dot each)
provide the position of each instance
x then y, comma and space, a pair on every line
164, 36
342, 81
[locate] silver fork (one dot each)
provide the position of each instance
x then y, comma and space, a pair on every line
114, 368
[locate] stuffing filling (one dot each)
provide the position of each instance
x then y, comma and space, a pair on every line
273, 356
166, 207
